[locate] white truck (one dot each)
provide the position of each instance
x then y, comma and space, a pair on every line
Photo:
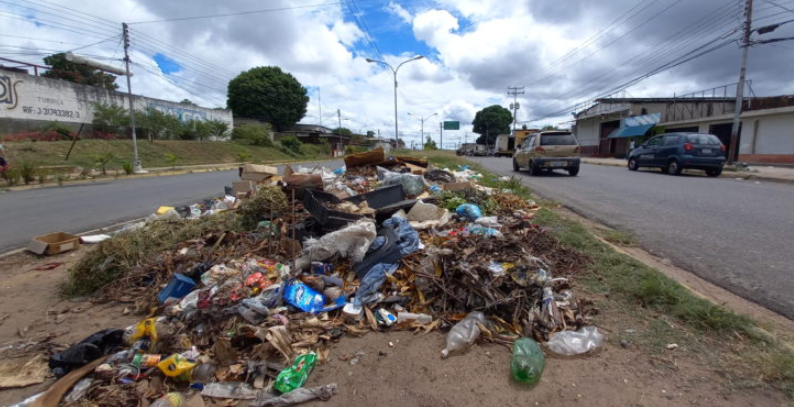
504, 146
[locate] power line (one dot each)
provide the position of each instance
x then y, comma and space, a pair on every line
53, 24
238, 13
778, 5
362, 24
38, 39
57, 15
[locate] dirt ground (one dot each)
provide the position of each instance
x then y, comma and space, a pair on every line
411, 372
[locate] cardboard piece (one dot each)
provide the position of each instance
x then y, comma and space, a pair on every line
54, 243
457, 186
258, 173
243, 187
23, 372
415, 169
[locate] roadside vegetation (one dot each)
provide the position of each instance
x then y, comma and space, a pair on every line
747, 353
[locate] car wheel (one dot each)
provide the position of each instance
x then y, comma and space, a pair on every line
633, 166
533, 169
674, 168
573, 171
714, 173
515, 166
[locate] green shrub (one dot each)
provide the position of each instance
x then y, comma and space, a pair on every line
102, 161
28, 171
253, 134
292, 143
171, 158
128, 168
13, 176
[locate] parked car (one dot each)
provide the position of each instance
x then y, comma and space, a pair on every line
547, 151
674, 152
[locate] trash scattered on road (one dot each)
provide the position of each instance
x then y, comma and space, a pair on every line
241, 296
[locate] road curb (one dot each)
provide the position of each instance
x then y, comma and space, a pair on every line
730, 174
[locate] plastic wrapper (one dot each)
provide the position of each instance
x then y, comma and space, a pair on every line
296, 375
571, 343
230, 390
296, 396
352, 241
469, 211
412, 184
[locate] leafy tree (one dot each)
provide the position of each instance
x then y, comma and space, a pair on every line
216, 128
269, 94
110, 118
343, 131
549, 127
491, 122
430, 144
254, 134
370, 133
187, 102
102, 161
72, 72
158, 125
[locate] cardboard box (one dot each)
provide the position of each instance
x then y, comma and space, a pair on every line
258, 173
54, 243
243, 188
457, 186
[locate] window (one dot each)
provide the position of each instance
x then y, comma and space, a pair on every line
706, 139
654, 141
671, 140
529, 142
557, 140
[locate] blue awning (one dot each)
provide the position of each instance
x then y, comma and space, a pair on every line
635, 126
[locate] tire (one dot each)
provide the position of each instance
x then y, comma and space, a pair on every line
516, 168
714, 173
673, 167
534, 169
633, 165
573, 171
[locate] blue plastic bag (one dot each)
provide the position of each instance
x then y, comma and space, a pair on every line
307, 299
469, 211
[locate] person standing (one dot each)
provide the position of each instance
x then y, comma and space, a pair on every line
631, 145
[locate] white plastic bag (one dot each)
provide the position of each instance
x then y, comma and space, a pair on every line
571, 343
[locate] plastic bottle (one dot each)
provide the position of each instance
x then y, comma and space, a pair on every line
464, 333
410, 317
203, 373
172, 399
527, 362
296, 375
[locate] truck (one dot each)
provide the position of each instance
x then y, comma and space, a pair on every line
471, 149
505, 144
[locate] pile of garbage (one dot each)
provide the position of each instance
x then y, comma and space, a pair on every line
381, 244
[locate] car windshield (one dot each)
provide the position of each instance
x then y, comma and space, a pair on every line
707, 139
557, 140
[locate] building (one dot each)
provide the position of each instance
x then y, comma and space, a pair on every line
28, 102
606, 127
316, 134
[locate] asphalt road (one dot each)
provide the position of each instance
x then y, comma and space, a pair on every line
84, 207
737, 234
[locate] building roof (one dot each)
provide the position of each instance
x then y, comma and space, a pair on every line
664, 100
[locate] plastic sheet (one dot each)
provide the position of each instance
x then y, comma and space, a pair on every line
571, 343
352, 241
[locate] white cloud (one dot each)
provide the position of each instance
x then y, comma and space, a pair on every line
399, 11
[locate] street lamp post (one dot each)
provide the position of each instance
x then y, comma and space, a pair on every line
394, 73
422, 119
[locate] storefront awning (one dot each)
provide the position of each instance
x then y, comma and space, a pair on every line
635, 126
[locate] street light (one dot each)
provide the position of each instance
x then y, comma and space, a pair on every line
422, 119
394, 73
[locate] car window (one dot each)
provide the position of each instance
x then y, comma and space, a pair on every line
528, 142
671, 140
654, 141
557, 140
706, 139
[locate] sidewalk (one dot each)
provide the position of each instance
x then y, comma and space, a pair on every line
754, 172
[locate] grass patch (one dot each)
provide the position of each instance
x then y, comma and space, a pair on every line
151, 154
618, 237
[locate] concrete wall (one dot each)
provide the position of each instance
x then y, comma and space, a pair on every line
27, 102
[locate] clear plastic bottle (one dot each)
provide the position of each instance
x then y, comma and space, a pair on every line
172, 399
463, 334
410, 316
527, 362
203, 373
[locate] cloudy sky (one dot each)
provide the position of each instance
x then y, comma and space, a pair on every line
563, 52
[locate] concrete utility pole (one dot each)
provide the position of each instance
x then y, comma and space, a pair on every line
737, 113
320, 106
339, 117
515, 91
136, 163
394, 72
441, 135
422, 120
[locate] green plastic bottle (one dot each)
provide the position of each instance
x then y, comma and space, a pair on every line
295, 376
527, 362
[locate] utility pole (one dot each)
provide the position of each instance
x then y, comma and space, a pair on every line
441, 135
515, 91
136, 163
737, 110
320, 106
339, 117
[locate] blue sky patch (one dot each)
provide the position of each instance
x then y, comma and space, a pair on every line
166, 65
